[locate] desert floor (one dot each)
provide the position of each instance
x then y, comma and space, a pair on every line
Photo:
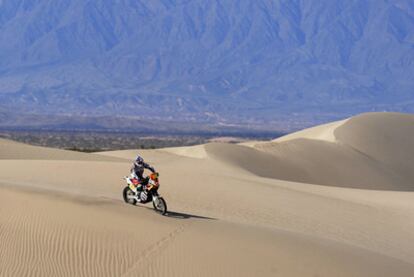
334, 200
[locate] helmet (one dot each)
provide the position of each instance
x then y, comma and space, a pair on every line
139, 159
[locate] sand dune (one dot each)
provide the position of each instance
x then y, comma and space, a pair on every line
197, 151
88, 237
384, 137
10, 150
323, 132
335, 200
363, 152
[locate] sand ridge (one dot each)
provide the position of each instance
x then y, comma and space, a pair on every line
198, 151
325, 132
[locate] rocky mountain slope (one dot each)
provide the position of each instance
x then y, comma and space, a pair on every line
214, 61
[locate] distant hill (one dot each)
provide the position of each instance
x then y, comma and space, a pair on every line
206, 61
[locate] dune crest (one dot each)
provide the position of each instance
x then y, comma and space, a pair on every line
197, 151
325, 132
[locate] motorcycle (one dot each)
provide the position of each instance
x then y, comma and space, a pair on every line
147, 192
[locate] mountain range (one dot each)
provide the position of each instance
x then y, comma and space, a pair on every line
214, 61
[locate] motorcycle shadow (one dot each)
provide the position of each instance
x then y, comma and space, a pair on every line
186, 216
178, 215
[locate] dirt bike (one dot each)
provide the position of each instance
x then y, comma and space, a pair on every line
147, 192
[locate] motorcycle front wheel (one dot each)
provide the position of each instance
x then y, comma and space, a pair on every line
160, 206
129, 196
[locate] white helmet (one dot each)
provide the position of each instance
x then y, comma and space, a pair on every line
139, 159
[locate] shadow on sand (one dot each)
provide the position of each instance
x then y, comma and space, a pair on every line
178, 215
186, 216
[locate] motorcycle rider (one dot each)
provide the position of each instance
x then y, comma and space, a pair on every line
137, 171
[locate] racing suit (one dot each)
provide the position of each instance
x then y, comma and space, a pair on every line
137, 170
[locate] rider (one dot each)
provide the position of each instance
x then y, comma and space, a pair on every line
137, 171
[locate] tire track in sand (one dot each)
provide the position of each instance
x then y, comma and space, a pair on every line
155, 248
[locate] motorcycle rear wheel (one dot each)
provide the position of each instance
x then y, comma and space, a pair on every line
129, 196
